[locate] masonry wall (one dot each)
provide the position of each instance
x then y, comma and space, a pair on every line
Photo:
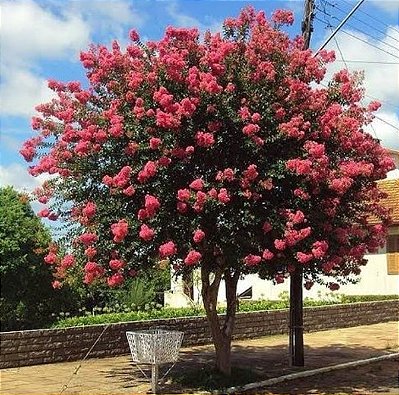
33, 347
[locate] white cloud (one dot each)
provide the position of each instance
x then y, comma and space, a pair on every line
183, 20
33, 32
30, 31
21, 91
387, 5
17, 176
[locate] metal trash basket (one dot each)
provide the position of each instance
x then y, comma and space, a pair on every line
154, 347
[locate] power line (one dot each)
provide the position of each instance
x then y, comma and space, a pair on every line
359, 30
374, 18
368, 61
367, 42
388, 123
361, 21
340, 52
357, 38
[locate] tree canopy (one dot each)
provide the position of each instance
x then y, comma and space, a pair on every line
222, 153
27, 298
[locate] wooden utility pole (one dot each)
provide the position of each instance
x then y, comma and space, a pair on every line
296, 278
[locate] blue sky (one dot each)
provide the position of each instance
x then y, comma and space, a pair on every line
42, 40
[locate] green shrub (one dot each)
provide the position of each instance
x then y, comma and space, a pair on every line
244, 306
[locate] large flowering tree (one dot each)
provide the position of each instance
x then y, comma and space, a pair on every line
221, 154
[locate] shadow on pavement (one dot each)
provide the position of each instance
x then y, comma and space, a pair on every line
194, 371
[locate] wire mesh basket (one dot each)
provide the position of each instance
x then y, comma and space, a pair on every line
154, 346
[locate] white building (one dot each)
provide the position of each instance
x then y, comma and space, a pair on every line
379, 277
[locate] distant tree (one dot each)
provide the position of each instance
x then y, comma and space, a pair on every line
28, 299
221, 154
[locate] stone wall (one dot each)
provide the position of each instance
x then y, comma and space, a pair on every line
33, 347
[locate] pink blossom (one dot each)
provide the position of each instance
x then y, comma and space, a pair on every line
149, 170
90, 252
303, 257
50, 258
213, 193
341, 185
146, 233
283, 17
116, 264
299, 166
198, 236
155, 143
251, 173
204, 139
183, 195
56, 284
129, 191
142, 214
223, 196
250, 129
280, 244
119, 230
44, 213
319, 248
151, 204
252, 260
164, 161
267, 255
167, 249
67, 261
197, 184
133, 35
115, 280
88, 238
89, 210
192, 258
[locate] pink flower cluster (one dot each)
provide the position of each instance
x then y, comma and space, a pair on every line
120, 230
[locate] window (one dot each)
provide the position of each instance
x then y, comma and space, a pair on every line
393, 254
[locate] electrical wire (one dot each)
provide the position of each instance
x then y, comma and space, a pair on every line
361, 21
374, 18
357, 38
359, 30
368, 61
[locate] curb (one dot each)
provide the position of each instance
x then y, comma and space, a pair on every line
306, 373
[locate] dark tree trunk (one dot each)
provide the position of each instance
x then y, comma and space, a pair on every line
221, 332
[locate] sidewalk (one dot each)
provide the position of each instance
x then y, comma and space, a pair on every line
266, 356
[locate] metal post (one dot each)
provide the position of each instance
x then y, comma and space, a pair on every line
296, 292
154, 378
297, 357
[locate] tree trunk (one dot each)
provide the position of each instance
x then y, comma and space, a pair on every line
221, 334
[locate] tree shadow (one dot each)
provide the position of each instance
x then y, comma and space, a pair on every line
195, 371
